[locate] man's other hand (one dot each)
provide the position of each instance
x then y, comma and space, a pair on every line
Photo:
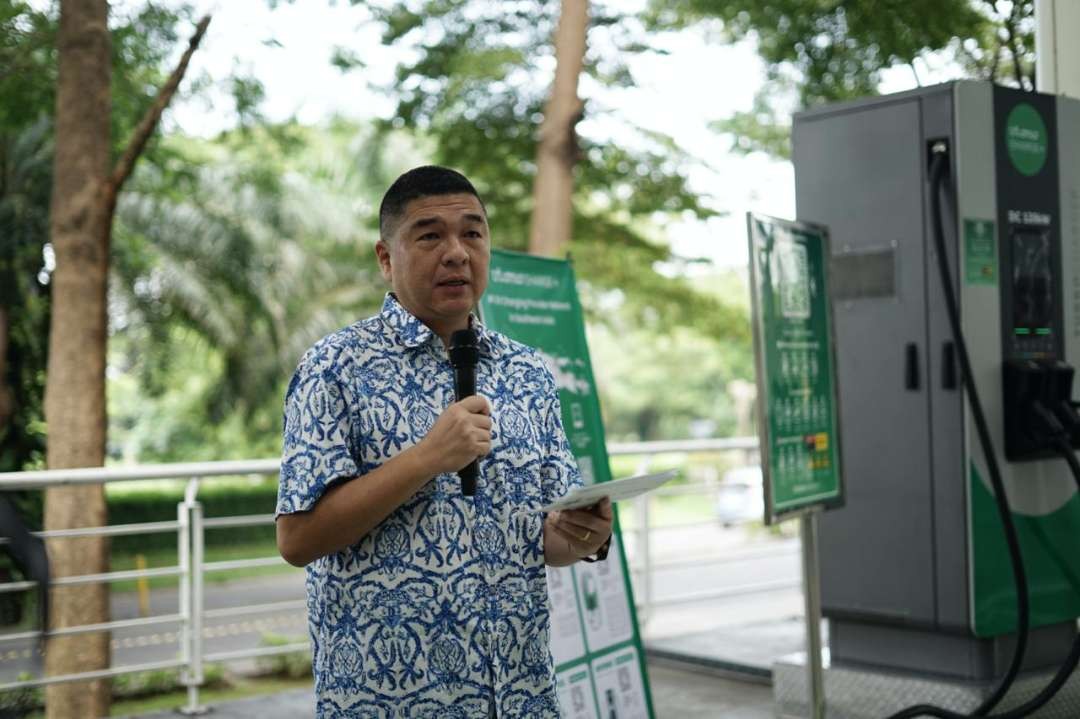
585, 530
461, 434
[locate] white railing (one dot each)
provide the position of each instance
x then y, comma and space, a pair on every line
190, 527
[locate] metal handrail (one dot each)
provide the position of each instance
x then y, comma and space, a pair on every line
255, 608
76, 579
91, 675
245, 520
260, 652
91, 628
190, 527
39, 478
113, 530
231, 564
743, 589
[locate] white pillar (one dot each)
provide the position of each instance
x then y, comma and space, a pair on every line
1057, 47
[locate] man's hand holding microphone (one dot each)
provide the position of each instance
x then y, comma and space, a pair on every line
460, 435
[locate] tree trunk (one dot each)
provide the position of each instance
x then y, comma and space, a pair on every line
552, 217
75, 383
84, 195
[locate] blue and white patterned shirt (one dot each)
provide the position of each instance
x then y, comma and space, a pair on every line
442, 609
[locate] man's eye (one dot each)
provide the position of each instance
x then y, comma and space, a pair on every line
429, 236
473, 234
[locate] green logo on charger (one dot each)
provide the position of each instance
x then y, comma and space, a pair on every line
1025, 139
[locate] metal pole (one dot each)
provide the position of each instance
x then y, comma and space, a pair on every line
1057, 56
198, 540
646, 560
1045, 46
643, 547
812, 595
183, 560
194, 673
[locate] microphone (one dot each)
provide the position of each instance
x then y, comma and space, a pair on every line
463, 356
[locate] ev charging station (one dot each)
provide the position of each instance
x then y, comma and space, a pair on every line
916, 580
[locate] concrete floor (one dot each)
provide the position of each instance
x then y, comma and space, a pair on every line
679, 692
685, 693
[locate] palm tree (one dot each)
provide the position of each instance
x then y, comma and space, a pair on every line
258, 258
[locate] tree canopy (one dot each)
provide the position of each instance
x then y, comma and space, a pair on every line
231, 254
818, 51
475, 83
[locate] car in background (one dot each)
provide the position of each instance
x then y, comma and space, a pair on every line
740, 496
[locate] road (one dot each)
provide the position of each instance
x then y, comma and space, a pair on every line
161, 642
694, 560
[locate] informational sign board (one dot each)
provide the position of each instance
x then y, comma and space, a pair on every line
793, 351
599, 658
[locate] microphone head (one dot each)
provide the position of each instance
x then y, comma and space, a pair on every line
463, 349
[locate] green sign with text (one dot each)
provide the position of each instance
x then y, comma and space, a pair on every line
599, 657
793, 349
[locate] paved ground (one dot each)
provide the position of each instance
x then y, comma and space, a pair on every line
678, 693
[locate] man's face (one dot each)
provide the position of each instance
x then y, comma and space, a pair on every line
437, 260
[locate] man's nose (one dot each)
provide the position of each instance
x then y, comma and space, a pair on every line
455, 252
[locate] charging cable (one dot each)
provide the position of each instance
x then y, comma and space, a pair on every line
939, 167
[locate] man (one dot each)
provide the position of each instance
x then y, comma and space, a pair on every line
423, 602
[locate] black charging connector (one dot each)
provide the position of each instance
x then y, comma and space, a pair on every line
1039, 414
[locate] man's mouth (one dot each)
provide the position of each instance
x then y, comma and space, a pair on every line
453, 283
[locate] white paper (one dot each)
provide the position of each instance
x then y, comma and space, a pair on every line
617, 490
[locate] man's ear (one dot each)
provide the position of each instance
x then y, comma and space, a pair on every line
383, 253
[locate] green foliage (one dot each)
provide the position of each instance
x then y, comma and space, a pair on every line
162, 681
27, 64
836, 49
761, 129
1003, 48
290, 665
819, 51
476, 84
25, 177
223, 285
17, 702
677, 389
219, 499
144, 39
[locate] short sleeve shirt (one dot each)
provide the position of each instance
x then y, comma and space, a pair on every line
441, 610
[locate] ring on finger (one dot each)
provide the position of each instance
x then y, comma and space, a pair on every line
588, 533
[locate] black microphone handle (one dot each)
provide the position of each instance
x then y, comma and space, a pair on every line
464, 382
468, 475
465, 386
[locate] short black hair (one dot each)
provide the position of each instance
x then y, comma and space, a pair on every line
425, 181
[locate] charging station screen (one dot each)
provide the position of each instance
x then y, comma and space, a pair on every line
1032, 292
1033, 283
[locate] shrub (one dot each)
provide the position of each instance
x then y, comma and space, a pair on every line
291, 665
19, 702
218, 500
162, 681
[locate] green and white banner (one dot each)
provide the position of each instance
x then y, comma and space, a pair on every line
595, 640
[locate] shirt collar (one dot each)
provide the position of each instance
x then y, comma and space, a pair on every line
414, 333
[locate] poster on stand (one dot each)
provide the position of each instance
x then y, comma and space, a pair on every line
617, 685
577, 699
534, 300
795, 365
